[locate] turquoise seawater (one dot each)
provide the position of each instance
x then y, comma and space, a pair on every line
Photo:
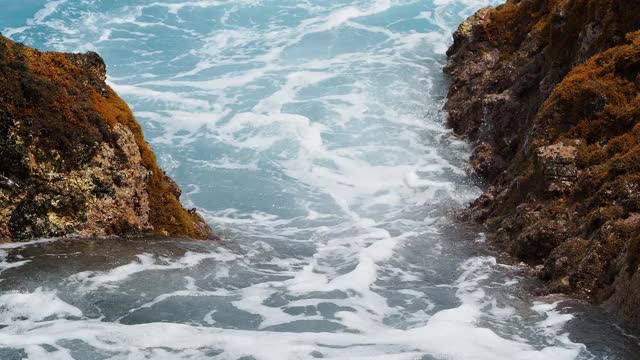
310, 134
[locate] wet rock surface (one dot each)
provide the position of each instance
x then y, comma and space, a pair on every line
556, 165
549, 91
74, 160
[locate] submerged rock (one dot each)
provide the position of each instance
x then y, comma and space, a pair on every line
549, 91
74, 160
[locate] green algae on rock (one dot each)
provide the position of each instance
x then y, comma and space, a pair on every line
74, 160
550, 93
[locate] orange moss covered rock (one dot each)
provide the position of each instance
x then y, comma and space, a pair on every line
74, 160
550, 92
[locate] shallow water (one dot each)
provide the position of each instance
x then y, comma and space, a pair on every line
310, 135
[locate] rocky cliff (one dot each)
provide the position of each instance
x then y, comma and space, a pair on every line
549, 92
72, 157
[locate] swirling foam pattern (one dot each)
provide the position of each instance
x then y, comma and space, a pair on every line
311, 135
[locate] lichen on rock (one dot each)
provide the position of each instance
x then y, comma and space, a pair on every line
549, 91
74, 160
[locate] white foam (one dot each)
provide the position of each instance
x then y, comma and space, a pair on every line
17, 245
48, 9
554, 319
175, 8
190, 291
38, 305
5, 264
10, 32
449, 335
153, 95
93, 280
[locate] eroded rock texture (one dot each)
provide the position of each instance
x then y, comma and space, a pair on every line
549, 90
72, 157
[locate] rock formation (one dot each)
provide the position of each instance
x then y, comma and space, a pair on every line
72, 157
549, 91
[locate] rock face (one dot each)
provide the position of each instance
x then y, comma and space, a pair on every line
72, 157
549, 91
556, 166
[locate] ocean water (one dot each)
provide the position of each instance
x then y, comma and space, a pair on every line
310, 134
